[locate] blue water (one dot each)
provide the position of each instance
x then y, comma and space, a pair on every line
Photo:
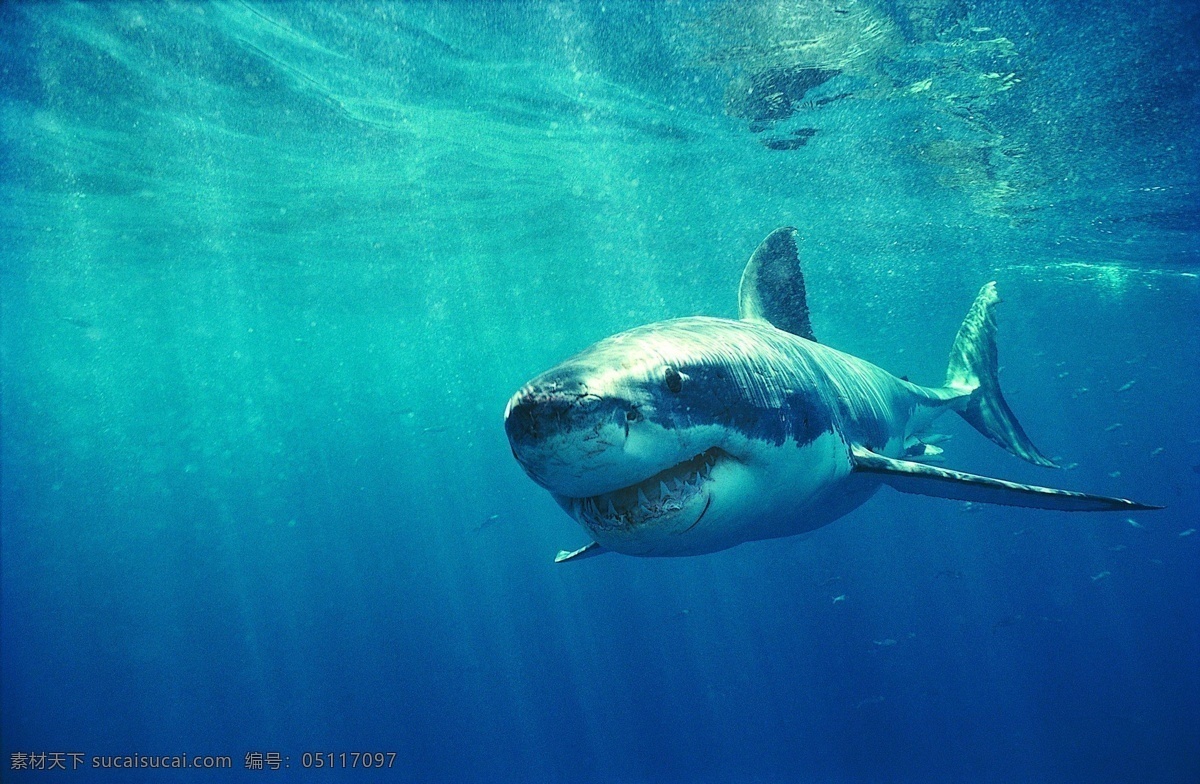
270, 271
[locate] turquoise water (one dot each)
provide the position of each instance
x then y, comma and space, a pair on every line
270, 272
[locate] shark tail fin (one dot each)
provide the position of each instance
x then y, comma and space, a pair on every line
973, 371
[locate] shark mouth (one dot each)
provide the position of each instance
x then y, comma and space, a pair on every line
665, 493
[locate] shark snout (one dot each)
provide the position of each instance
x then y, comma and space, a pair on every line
534, 415
520, 418
567, 438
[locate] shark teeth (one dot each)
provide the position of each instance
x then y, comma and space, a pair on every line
664, 493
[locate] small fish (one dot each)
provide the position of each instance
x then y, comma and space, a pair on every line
75, 321
1113, 426
488, 523
841, 598
834, 579
1155, 561
885, 643
1100, 576
869, 701
1188, 532
1022, 532
1070, 466
1157, 451
1008, 620
1116, 548
1128, 385
1134, 523
435, 429
953, 574
1114, 474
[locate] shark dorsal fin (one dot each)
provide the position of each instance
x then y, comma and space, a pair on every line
772, 287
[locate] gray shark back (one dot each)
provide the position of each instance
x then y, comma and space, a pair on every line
769, 384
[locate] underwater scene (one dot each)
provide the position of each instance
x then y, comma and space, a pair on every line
329, 327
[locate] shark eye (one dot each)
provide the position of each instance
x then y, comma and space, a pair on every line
673, 379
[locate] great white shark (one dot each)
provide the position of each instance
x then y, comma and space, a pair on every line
694, 435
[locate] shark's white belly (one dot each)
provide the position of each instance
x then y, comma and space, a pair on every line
768, 491
778, 491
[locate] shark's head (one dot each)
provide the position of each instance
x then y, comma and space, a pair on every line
643, 434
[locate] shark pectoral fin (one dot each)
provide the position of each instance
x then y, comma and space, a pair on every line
910, 477
587, 551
